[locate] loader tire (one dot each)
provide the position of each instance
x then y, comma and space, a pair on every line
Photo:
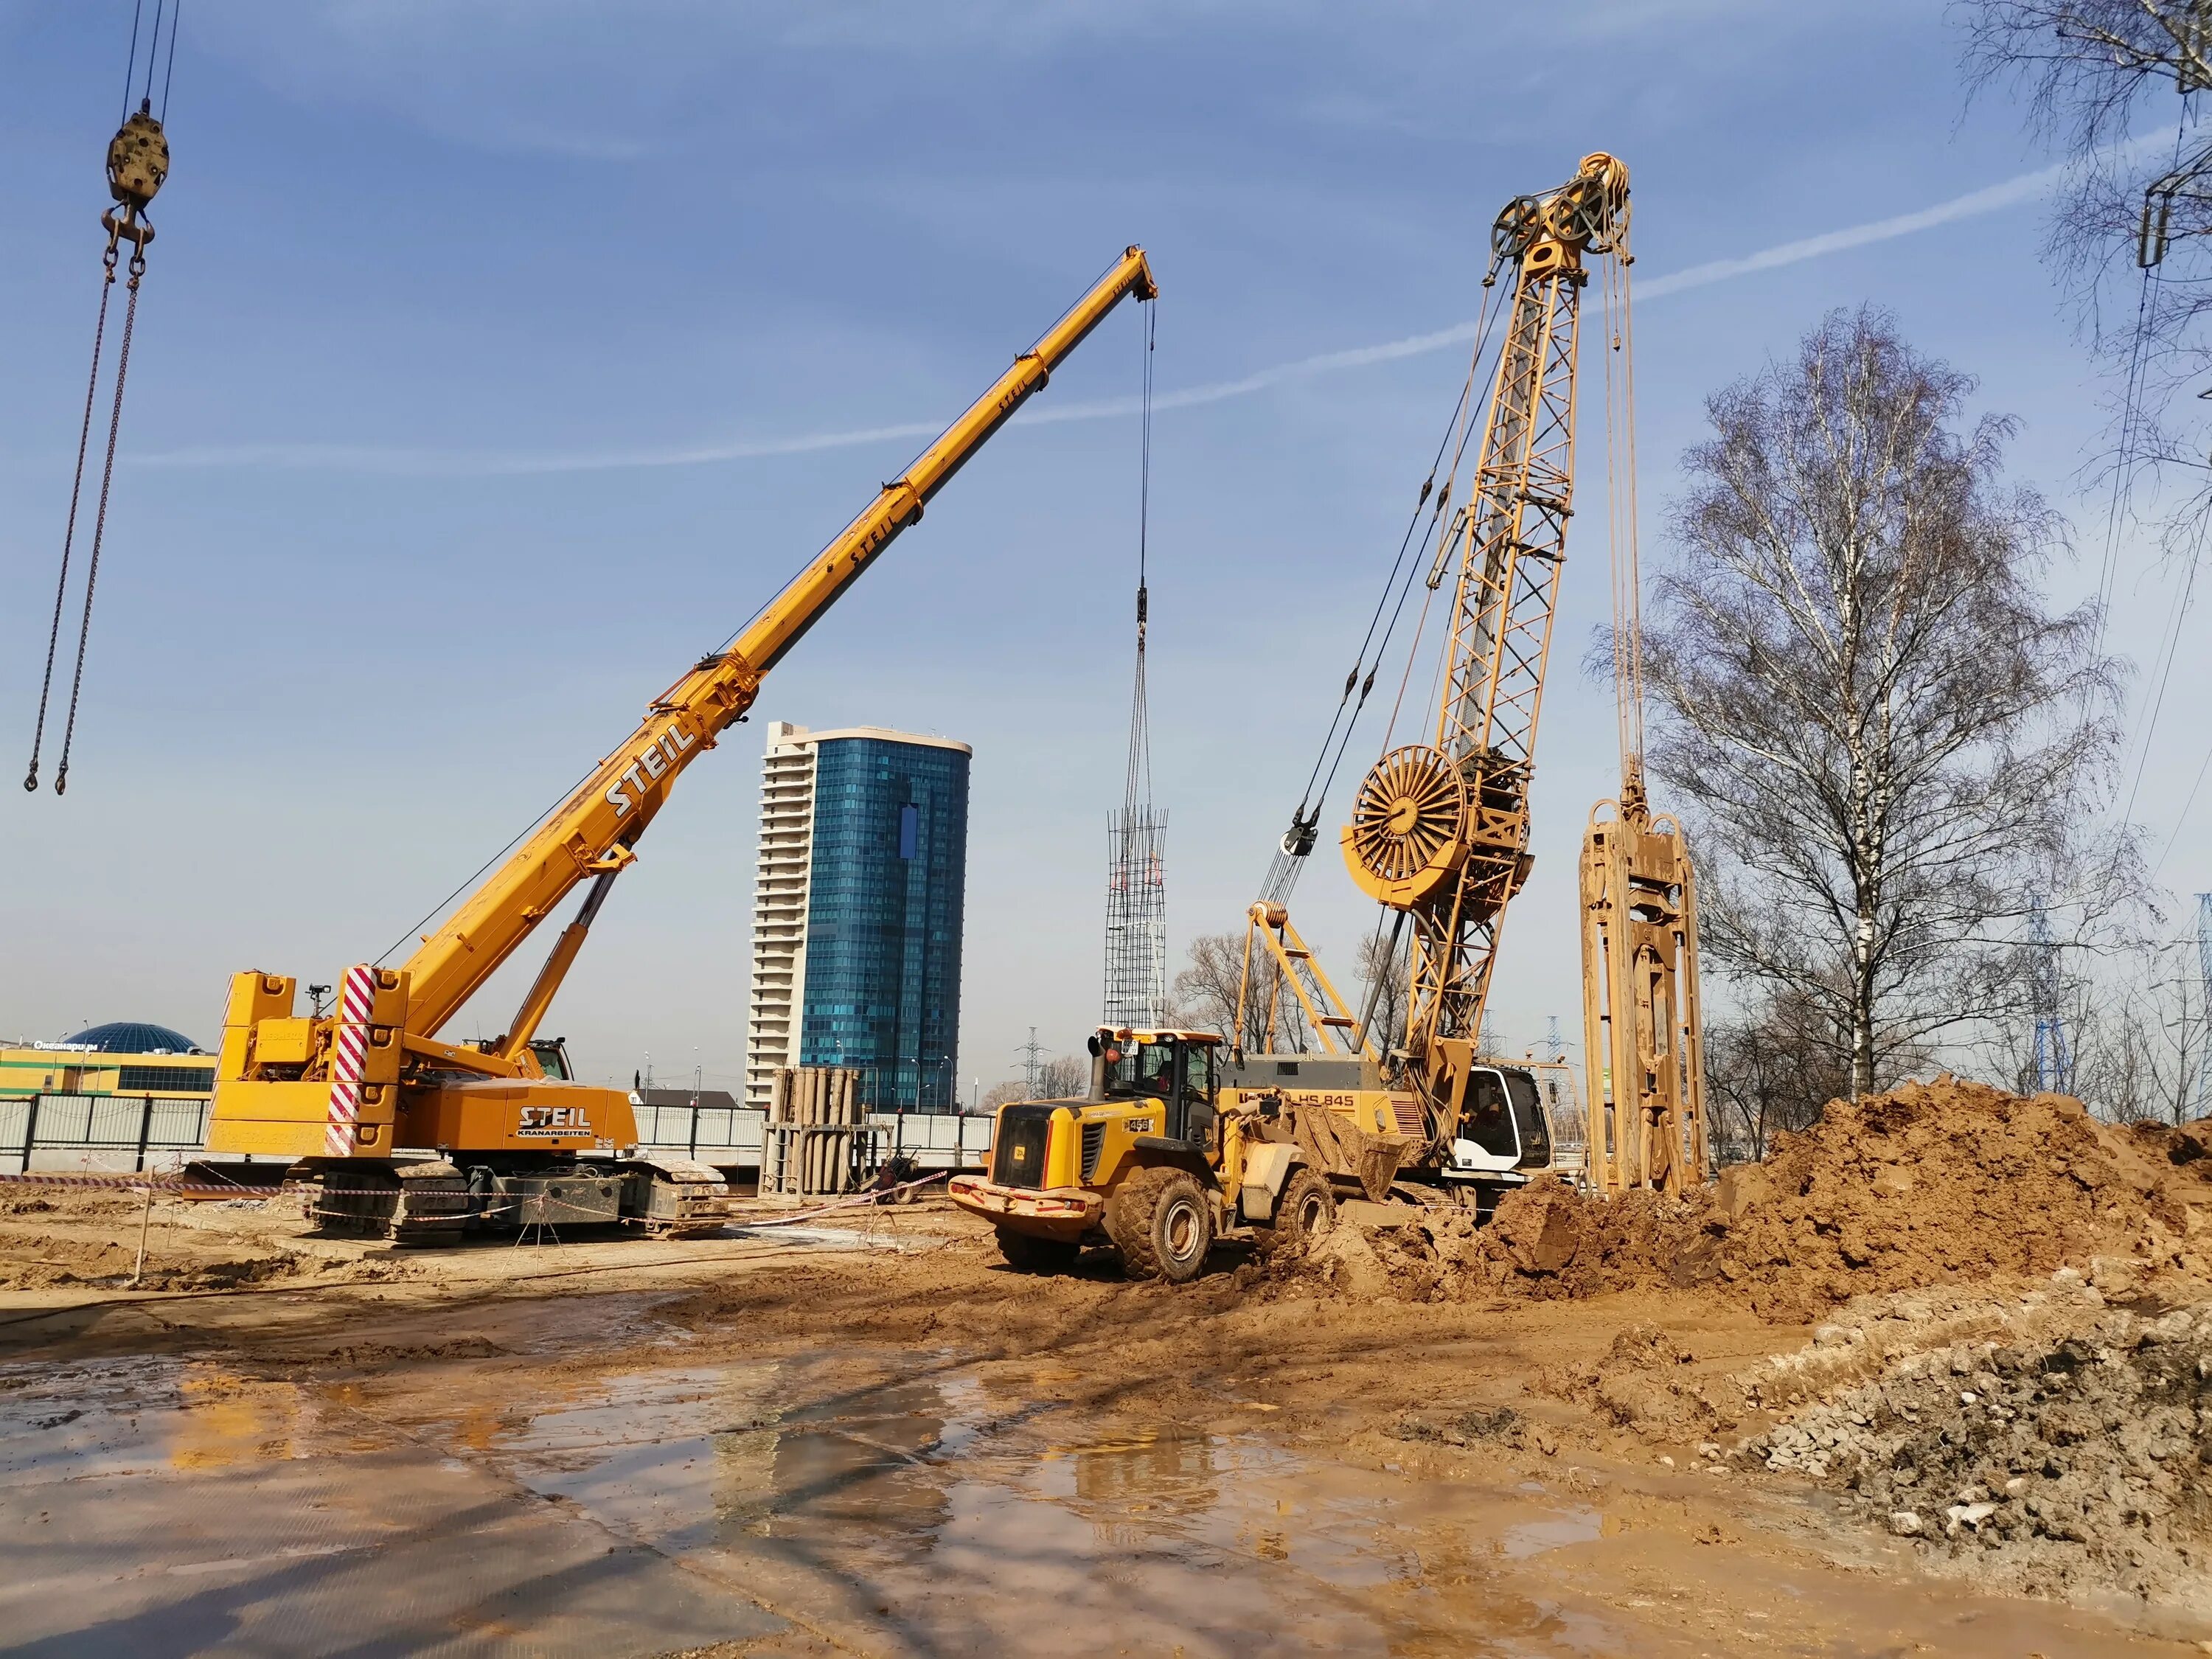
1026, 1253
1162, 1222
1306, 1210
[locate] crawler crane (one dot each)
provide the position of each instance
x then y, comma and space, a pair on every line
1178, 1140
520, 1141
1439, 830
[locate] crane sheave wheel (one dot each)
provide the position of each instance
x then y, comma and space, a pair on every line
1408, 824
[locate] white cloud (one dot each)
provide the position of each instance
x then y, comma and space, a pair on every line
419, 461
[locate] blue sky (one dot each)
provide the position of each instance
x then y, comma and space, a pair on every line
496, 358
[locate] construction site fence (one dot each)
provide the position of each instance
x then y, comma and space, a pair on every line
125, 1133
115, 1132
737, 1137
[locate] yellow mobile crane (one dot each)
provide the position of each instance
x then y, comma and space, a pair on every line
1172, 1143
521, 1140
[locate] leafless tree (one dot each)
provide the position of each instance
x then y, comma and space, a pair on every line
1204, 995
2133, 1026
1772, 1069
1067, 1078
1384, 975
2095, 73
1004, 1094
1887, 742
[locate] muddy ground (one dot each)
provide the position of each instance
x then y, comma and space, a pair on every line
869, 1437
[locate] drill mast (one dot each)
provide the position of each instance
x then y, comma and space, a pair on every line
1440, 830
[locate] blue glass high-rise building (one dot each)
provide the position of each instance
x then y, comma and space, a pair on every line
857, 912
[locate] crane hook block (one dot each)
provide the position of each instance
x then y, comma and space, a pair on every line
137, 161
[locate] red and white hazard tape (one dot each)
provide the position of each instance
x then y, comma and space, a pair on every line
856, 1201
134, 1183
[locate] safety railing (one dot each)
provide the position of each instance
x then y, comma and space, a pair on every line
62, 1132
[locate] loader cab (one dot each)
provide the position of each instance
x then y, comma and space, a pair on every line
1180, 1069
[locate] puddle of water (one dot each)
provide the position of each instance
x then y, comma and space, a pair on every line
905, 1502
141, 1415
1536, 1537
163, 1505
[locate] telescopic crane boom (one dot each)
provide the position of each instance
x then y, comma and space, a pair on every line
373, 1075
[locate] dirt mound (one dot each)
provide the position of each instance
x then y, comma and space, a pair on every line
1929, 1184
2064, 1468
1640, 1384
1938, 1182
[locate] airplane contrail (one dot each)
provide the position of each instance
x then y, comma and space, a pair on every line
426, 462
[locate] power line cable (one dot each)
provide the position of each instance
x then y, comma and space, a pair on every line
2165, 671
2180, 822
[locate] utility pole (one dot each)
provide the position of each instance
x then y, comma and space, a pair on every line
2204, 1003
1552, 1040
2054, 1062
1028, 1051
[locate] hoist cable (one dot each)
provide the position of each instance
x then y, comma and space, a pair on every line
438, 910
1463, 428
1621, 526
130, 63
1344, 718
100, 516
1392, 582
169, 73
153, 51
68, 534
1139, 772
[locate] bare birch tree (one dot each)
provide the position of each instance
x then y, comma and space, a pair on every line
1890, 746
1065, 1077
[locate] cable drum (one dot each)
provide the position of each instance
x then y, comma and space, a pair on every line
1409, 826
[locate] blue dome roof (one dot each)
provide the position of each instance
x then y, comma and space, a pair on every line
128, 1037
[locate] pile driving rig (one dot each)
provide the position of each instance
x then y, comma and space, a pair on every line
517, 1141
1439, 834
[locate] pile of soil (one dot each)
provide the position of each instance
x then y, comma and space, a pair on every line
1642, 1382
1929, 1184
2059, 1467
1950, 1181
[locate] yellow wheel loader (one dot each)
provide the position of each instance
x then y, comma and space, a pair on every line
1182, 1140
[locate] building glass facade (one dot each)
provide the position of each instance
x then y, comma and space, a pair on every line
886, 888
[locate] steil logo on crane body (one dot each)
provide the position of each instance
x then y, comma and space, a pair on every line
652, 763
